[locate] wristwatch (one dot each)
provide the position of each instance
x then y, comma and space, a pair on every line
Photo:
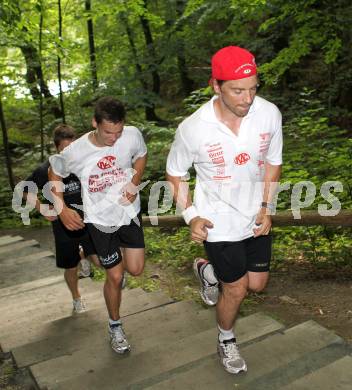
269, 206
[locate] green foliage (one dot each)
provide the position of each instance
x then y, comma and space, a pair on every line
316, 151
171, 247
323, 247
302, 48
197, 98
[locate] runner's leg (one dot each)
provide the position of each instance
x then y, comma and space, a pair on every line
112, 290
71, 278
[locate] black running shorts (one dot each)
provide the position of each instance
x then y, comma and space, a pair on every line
233, 259
107, 241
67, 245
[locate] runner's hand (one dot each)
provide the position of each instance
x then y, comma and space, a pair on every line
262, 223
199, 229
71, 219
129, 194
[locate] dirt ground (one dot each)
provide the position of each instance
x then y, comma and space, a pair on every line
295, 293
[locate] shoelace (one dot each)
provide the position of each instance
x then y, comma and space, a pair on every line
118, 333
205, 282
231, 350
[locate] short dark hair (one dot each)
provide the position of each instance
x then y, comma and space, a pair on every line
220, 82
110, 109
62, 132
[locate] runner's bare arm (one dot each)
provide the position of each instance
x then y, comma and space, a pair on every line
139, 165
199, 226
271, 178
70, 218
130, 191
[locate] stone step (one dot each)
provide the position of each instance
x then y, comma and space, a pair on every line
24, 259
89, 332
272, 353
15, 249
337, 375
18, 305
16, 289
5, 240
14, 274
311, 361
134, 301
18, 332
166, 353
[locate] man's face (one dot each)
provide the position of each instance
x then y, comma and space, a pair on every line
63, 144
237, 95
108, 132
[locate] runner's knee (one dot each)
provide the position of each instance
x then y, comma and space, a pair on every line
234, 292
114, 279
258, 285
135, 269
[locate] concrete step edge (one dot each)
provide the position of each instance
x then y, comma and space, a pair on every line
9, 334
308, 335
6, 240
336, 375
77, 336
177, 353
17, 247
29, 286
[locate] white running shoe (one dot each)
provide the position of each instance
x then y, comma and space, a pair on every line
209, 290
85, 270
118, 339
230, 356
79, 306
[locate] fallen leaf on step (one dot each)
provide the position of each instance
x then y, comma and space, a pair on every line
287, 299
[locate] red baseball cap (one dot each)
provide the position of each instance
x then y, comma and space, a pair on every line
233, 63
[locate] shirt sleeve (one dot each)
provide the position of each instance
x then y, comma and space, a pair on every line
274, 155
60, 163
180, 158
140, 147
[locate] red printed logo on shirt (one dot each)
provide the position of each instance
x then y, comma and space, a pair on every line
106, 162
242, 158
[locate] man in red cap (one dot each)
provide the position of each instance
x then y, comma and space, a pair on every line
234, 142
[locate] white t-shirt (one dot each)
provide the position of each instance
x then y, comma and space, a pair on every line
230, 168
103, 171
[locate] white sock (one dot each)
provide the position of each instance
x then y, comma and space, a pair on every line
209, 275
113, 323
225, 334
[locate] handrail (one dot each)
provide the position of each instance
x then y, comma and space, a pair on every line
281, 218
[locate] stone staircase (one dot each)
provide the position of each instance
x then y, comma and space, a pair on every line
173, 343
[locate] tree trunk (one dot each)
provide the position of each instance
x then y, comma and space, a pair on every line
150, 109
92, 57
35, 78
40, 95
6, 146
59, 65
151, 53
186, 82
282, 218
150, 114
